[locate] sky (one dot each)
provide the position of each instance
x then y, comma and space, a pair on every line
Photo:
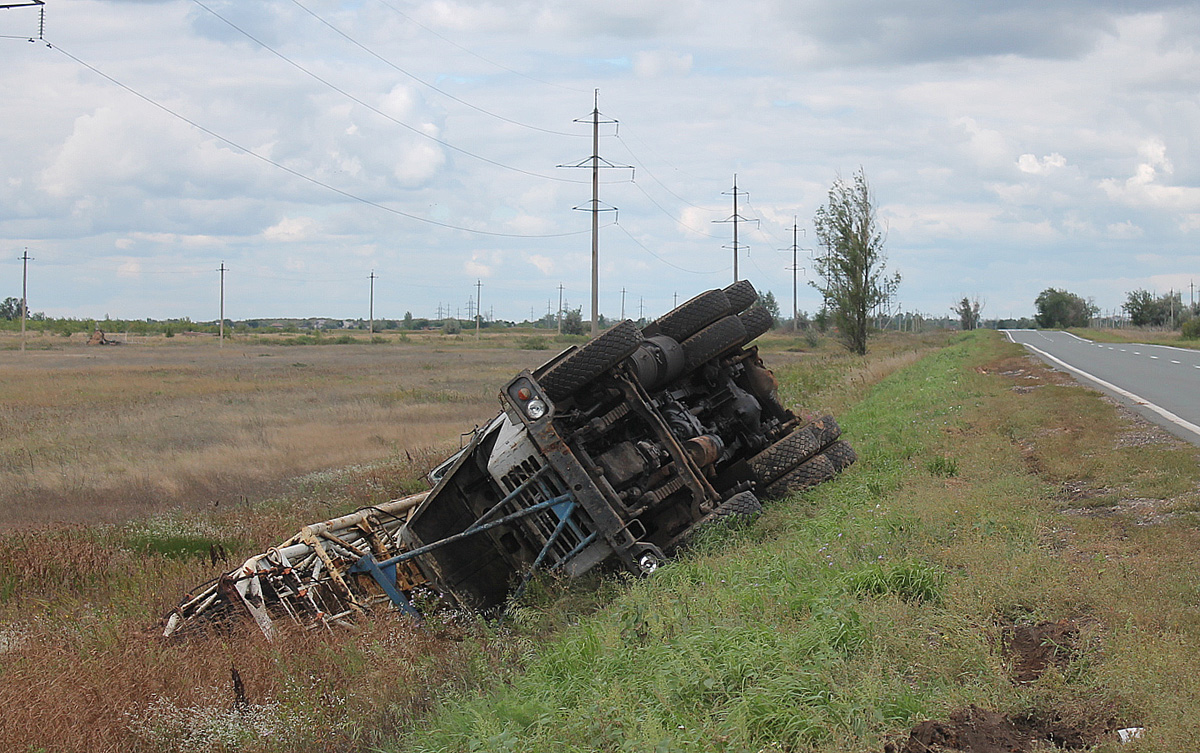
304, 145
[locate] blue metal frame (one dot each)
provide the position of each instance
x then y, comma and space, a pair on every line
563, 505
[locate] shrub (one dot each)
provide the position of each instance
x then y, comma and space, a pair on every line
1191, 329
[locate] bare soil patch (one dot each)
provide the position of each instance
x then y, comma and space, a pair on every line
1034, 648
976, 730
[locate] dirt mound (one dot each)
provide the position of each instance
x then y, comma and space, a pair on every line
1033, 648
971, 729
976, 730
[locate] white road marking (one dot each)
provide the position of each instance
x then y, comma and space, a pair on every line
1182, 422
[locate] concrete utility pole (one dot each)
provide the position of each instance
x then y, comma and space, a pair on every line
559, 317
795, 268
24, 294
371, 306
735, 218
478, 306
595, 163
622, 304
221, 325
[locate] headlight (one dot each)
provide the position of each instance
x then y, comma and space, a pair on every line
536, 409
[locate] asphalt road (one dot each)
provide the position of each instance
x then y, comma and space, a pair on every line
1160, 382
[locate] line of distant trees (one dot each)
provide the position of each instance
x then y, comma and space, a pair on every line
1058, 309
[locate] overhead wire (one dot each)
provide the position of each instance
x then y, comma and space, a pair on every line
376, 110
421, 81
297, 173
642, 165
642, 246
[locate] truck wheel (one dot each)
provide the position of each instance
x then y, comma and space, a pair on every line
741, 295
689, 318
770, 464
712, 341
648, 558
826, 430
811, 472
590, 361
841, 455
757, 321
740, 504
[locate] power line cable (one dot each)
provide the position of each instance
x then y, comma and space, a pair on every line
642, 165
297, 173
664, 261
673, 218
374, 109
425, 83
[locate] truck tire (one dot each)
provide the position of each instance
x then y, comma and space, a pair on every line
841, 455
770, 464
712, 341
739, 505
757, 321
590, 361
689, 318
741, 295
826, 430
811, 472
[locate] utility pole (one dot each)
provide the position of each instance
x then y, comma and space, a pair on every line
221, 326
371, 306
675, 300
641, 309
594, 161
735, 218
478, 306
622, 304
24, 294
795, 268
560, 290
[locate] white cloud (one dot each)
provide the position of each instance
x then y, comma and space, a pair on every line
1028, 163
544, 264
652, 64
1124, 230
291, 230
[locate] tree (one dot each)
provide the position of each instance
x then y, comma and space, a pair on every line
10, 308
772, 306
1143, 309
572, 323
852, 270
1060, 309
1147, 311
968, 313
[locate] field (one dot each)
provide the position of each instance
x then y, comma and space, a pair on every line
90, 434
991, 495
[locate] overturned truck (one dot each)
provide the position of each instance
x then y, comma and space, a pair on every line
609, 455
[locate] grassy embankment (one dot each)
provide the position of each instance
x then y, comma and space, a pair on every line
988, 494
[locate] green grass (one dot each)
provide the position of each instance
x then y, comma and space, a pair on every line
841, 617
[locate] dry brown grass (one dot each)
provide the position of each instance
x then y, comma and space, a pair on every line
104, 434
